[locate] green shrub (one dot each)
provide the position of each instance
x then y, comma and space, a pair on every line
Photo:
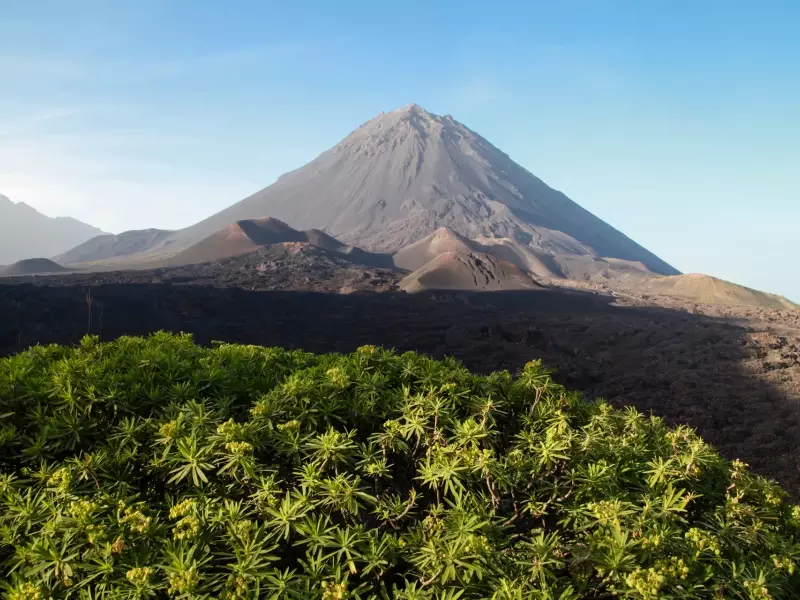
155, 468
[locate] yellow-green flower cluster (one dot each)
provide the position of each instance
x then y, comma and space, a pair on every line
187, 528
243, 528
605, 511
170, 429
784, 563
96, 533
239, 448
136, 520
60, 479
182, 509
338, 377
230, 430
737, 469
140, 576
653, 540
334, 591
26, 591
82, 510
673, 567
182, 582
703, 542
647, 582
756, 590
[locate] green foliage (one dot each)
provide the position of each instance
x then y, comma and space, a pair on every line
155, 468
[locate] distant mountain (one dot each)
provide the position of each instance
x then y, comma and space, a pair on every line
108, 247
402, 175
27, 233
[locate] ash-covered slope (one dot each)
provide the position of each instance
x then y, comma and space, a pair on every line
704, 289
472, 271
109, 246
402, 175
248, 235
27, 233
443, 240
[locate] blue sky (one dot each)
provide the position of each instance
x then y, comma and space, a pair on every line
676, 121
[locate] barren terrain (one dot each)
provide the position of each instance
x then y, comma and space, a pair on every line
733, 373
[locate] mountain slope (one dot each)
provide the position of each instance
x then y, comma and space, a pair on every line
710, 290
27, 233
248, 235
472, 271
402, 175
444, 240
110, 246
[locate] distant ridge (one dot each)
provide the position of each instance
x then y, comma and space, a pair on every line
27, 233
110, 246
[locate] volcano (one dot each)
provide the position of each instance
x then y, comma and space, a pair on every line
404, 174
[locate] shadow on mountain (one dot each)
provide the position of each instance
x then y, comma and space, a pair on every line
685, 367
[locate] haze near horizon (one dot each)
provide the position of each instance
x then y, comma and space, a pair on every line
674, 123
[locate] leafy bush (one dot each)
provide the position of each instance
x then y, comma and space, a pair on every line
155, 468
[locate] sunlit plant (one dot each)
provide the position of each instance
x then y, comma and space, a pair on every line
156, 468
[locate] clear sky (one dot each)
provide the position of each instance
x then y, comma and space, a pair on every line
677, 121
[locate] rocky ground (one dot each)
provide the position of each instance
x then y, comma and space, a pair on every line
734, 374
287, 266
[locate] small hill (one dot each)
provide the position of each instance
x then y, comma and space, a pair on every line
109, 246
238, 238
27, 233
705, 289
441, 241
444, 240
472, 271
320, 239
248, 235
34, 266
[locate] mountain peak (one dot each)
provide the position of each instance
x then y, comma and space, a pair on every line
404, 174
413, 108
409, 115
